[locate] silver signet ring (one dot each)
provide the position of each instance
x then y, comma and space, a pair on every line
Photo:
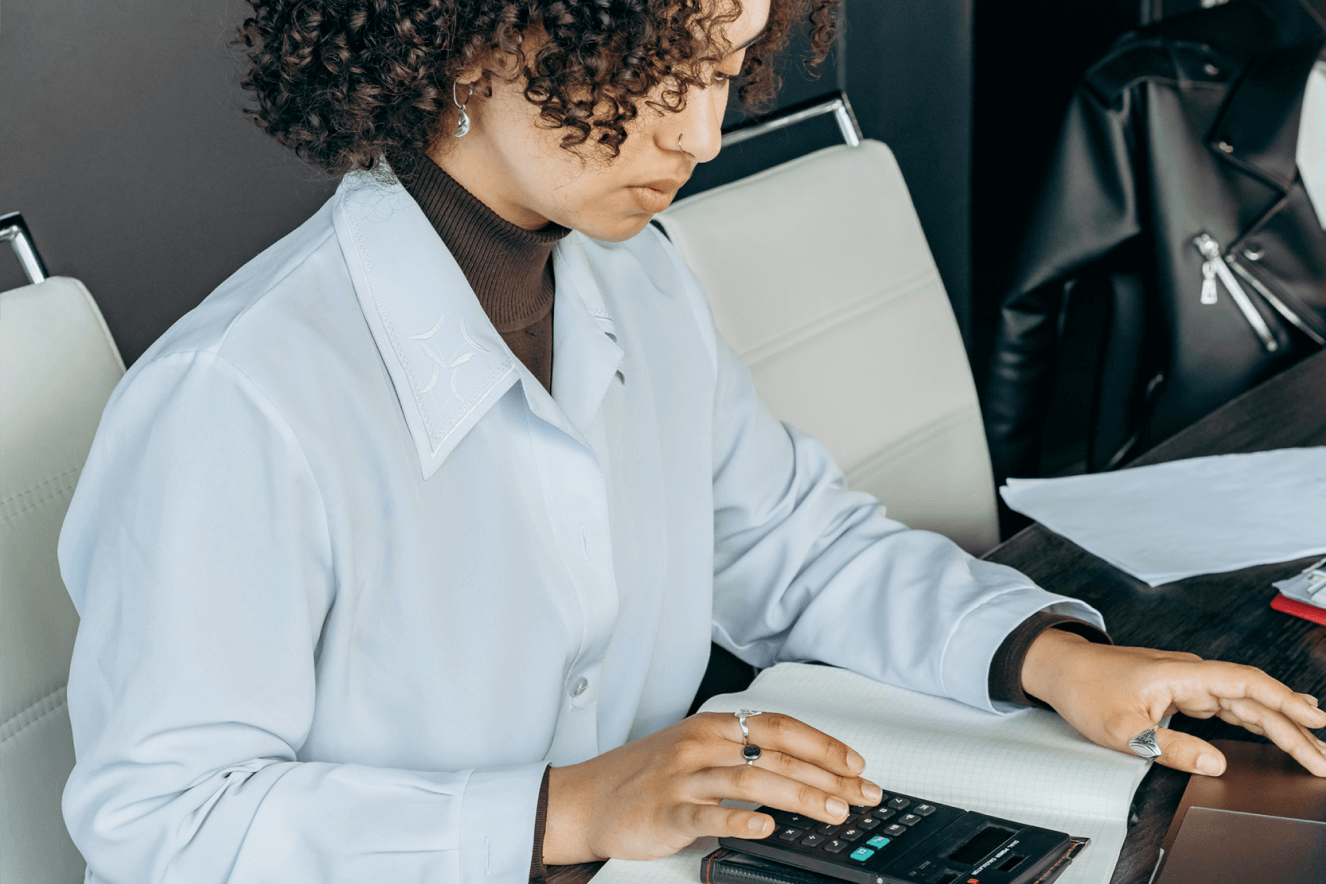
1144, 745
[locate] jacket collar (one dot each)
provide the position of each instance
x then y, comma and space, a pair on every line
447, 363
1257, 129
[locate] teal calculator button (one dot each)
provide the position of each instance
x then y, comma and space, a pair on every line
861, 854
878, 841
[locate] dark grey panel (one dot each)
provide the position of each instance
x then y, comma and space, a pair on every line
124, 146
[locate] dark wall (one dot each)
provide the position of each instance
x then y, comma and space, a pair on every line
123, 143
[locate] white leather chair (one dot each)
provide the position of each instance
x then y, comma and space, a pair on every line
821, 279
58, 365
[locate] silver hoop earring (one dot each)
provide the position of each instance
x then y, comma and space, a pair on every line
463, 123
679, 147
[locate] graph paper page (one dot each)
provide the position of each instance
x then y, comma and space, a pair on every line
1031, 766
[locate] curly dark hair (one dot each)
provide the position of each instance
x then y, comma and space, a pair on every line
344, 82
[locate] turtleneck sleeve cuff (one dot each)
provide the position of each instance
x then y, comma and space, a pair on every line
538, 872
1005, 680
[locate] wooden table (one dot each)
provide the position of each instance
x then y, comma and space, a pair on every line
1225, 616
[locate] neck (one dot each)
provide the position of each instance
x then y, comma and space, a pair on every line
508, 266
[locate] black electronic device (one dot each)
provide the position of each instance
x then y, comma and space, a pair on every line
907, 840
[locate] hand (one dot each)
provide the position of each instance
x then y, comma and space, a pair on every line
1112, 694
653, 797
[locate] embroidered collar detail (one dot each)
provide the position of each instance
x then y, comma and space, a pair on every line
446, 361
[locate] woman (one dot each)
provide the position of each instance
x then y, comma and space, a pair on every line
434, 494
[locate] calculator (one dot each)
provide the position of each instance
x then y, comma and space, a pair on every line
908, 840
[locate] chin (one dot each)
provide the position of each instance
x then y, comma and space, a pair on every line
614, 230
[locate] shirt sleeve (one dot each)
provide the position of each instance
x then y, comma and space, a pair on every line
805, 569
197, 553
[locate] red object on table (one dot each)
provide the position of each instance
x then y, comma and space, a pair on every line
1299, 609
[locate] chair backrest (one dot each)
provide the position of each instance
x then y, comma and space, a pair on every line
58, 365
821, 279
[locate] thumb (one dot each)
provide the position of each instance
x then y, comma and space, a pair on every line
1183, 751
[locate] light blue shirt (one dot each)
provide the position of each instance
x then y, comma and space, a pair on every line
349, 576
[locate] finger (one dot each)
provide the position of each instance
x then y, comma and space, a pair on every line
749, 782
782, 733
854, 790
1232, 718
1284, 732
1236, 682
1188, 753
724, 822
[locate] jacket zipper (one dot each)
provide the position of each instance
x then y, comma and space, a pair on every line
1290, 315
1215, 267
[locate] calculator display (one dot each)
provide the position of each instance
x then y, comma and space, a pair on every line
978, 846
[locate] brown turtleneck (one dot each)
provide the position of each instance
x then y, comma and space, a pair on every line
509, 268
511, 272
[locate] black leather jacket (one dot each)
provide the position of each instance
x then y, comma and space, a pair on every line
1181, 139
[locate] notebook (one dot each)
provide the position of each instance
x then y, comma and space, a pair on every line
1031, 766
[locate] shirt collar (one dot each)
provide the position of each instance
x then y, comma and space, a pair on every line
447, 363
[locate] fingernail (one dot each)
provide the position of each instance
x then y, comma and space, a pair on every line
836, 807
855, 762
1210, 765
758, 823
872, 792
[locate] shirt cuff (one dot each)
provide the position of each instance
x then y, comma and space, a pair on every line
1006, 668
538, 872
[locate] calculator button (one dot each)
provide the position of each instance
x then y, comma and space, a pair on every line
885, 814
895, 830
861, 854
851, 833
837, 845
899, 804
924, 809
909, 819
812, 840
879, 841
829, 829
790, 834
867, 823
858, 810
794, 819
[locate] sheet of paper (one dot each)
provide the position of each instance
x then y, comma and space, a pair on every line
1030, 766
1206, 515
1311, 151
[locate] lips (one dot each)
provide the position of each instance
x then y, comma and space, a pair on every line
651, 200
655, 196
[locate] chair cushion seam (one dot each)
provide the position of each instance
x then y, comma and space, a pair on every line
908, 443
31, 714
11, 499
827, 322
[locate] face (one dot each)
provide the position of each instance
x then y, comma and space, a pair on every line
519, 169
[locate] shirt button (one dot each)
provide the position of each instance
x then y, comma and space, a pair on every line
579, 687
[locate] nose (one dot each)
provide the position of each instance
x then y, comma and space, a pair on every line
698, 128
